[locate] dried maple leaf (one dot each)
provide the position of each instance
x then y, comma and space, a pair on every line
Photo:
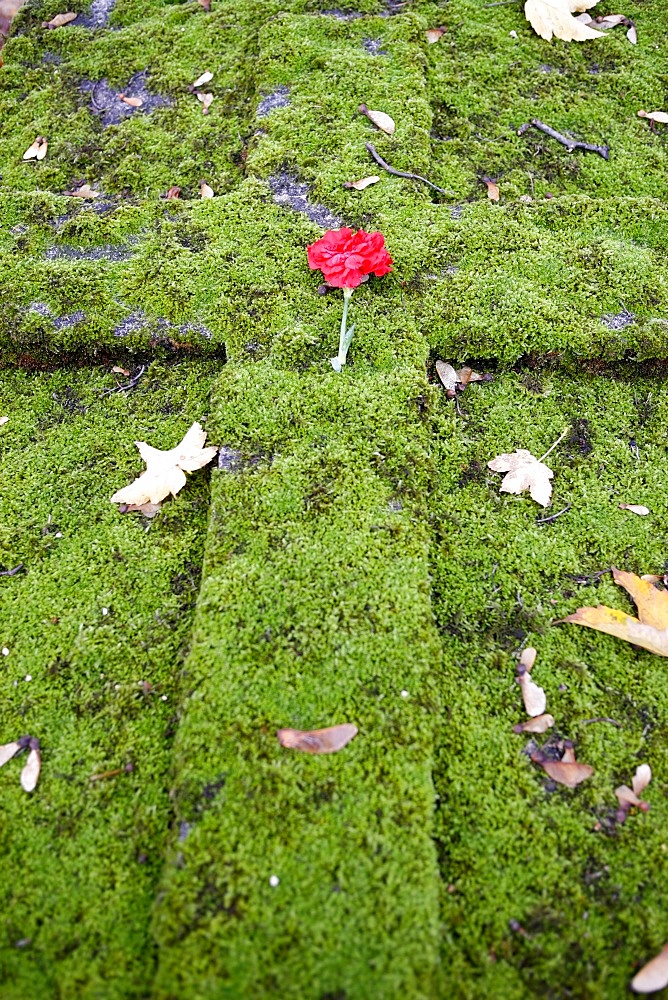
433, 34
173, 193
205, 100
655, 116
363, 183
569, 773
85, 191
555, 17
524, 472
201, 80
165, 470
654, 975
3, 420
9, 750
641, 778
133, 102
318, 740
32, 767
635, 508
539, 724
38, 149
649, 629
493, 193
379, 119
59, 20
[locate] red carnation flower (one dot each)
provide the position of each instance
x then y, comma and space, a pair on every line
346, 258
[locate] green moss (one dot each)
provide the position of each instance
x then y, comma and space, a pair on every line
80, 860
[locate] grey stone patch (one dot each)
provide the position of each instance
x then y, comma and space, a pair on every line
451, 269
544, 68
105, 101
393, 7
373, 46
52, 58
618, 321
229, 460
184, 830
342, 15
280, 98
98, 15
291, 193
139, 322
395, 506
107, 252
456, 211
19, 230
59, 322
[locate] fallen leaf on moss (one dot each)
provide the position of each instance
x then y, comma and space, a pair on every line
85, 191
38, 149
493, 193
318, 740
206, 4
205, 100
3, 420
201, 80
524, 472
534, 697
32, 767
555, 17
539, 724
365, 182
59, 20
379, 119
649, 629
173, 193
653, 976
632, 35
433, 34
120, 371
466, 375
528, 658
448, 377
635, 508
567, 773
641, 778
655, 116
133, 102
165, 470
9, 750
205, 191
626, 796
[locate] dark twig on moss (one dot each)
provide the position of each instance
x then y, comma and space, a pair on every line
403, 173
613, 722
132, 384
546, 520
570, 144
12, 572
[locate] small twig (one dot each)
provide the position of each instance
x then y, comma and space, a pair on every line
12, 572
107, 774
546, 520
613, 722
132, 384
404, 173
553, 446
570, 144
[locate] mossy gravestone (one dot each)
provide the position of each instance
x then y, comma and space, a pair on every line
353, 560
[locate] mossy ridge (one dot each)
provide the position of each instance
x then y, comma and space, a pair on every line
314, 610
592, 905
79, 860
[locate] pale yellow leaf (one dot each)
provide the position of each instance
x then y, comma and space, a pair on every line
120, 371
85, 191
204, 78
3, 420
492, 190
632, 35
379, 119
365, 182
133, 102
554, 17
528, 658
37, 150
447, 375
165, 470
59, 20
626, 796
653, 976
524, 472
205, 100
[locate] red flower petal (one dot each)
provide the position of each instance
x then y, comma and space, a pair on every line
345, 257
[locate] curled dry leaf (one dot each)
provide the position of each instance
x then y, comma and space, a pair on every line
201, 80
379, 119
635, 508
205, 100
539, 724
165, 470
555, 17
641, 778
649, 630
653, 976
655, 116
32, 767
133, 102
318, 740
8, 751
569, 773
85, 191
365, 182
38, 149
59, 20
534, 697
205, 191
524, 472
493, 193
433, 34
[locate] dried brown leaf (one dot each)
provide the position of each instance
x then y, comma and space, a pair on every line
554, 17
524, 472
9, 750
37, 151
173, 193
365, 182
205, 100
567, 773
568, 756
318, 740
379, 119
201, 80
528, 658
534, 697
653, 976
626, 796
539, 724
434, 34
448, 376
165, 470
32, 767
466, 375
59, 20
655, 116
133, 102
120, 371
205, 191
641, 778
492, 189
635, 508
85, 191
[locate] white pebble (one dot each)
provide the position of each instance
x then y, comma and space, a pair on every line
513, 34
28, 677
274, 880
105, 611
5, 651
58, 534
404, 694
163, 697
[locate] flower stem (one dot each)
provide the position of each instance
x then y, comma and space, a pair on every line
346, 334
558, 441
